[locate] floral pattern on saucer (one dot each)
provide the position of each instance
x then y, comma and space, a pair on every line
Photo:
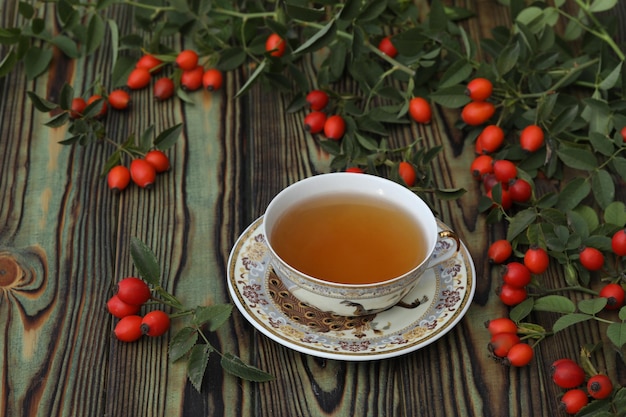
444, 293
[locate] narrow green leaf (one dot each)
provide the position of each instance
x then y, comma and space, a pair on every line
350, 10
616, 332
95, 33
66, 96
168, 137
115, 39
322, 38
197, 364
569, 320
235, 366
371, 10
255, 75
182, 343
603, 188
611, 80
8, 63
215, 315
555, 304
145, 140
602, 5
145, 261
41, 103
592, 306
58, 120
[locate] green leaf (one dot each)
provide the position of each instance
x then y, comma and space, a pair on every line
215, 315
67, 45
115, 39
564, 119
26, 10
569, 320
611, 80
145, 261
601, 143
508, 58
182, 343
145, 140
616, 332
602, 5
66, 96
231, 58
592, 306
555, 304
622, 313
95, 33
603, 188
321, 38
520, 222
41, 103
8, 63
350, 10
615, 213
450, 97
168, 137
123, 66
573, 193
372, 10
251, 80
197, 364
577, 158
36, 61
456, 73
437, 19
58, 120
235, 366
305, 14
522, 310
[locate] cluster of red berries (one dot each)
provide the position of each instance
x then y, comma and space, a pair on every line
142, 171
132, 293
317, 121
569, 375
505, 344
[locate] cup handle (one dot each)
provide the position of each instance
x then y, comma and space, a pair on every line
449, 245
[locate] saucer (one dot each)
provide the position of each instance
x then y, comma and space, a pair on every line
444, 292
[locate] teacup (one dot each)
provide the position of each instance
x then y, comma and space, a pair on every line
353, 244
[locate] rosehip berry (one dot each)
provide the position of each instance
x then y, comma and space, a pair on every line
314, 122
618, 242
623, 133
407, 173
499, 251
501, 343
163, 88
512, 296
138, 78
490, 139
335, 127
119, 99
275, 45
505, 198
149, 62
536, 259
120, 309
317, 100
420, 110
355, 170
212, 79
504, 170
142, 173
501, 325
386, 47
519, 355
489, 181
615, 295
516, 274
133, 290
574, 400
531, 138
187, 60
128, 329
520, 190
159, 160
599, 387
78, 107
567, 373
591, 258
479, 89
191, 80
476, 113
481, 166
118, 178
98, 98
155, 323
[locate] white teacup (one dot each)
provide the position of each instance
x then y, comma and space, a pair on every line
348, 298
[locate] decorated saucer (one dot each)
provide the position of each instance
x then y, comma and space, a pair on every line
444, 294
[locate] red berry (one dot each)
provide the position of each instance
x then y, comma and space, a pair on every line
623, 133
275, 45
501, 325
481, 166
490, 139
386, 47
407, 173
599, 387
78, 107
149, 62
477, 112
420, 110
536, 259
501, 343
142, 173
317, 100
489, 181
314, 122
505, 198
511, 295
499, 251
159, 160
120, 309
615, 295
567, 374
479, 89
574, 400
516, 274
187, 60
618, 242
355, 170
133, 290
531, 138
504, 170
163, 88
191, 80
118, 178
212, 79
138, 79
119, 99
591, 258
128, 329
520, 190
335, 127
98, 98
519, 355
155, 323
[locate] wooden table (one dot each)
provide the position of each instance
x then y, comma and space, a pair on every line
65, 242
